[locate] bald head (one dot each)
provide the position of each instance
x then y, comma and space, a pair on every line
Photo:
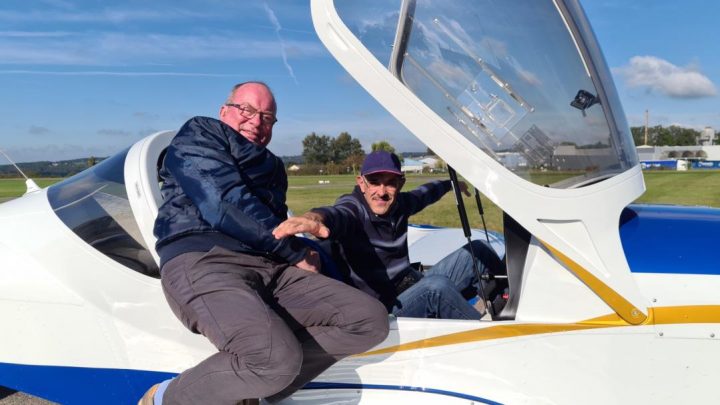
250, 110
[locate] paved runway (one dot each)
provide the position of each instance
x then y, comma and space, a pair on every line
10, 397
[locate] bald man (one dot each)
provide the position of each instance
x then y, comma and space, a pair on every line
276, 322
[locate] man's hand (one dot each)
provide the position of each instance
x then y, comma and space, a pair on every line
311, 262
309, 222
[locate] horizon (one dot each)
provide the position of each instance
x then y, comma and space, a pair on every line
96, 78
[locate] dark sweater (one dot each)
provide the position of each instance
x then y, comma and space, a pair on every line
375, 247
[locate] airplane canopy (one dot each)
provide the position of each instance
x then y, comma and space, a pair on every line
509, 77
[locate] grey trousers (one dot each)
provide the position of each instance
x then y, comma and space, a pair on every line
276, 326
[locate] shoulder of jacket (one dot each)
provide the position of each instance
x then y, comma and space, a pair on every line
200, 125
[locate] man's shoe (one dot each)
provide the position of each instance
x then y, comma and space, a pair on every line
250, 401
149, 397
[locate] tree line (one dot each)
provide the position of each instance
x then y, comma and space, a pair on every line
63, 168
668, 136
342, 154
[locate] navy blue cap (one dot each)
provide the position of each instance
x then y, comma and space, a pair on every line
381, 162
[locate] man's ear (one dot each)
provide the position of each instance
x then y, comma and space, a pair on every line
223, 111
402, 183
360, 183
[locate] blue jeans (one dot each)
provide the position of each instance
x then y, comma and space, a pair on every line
439, 294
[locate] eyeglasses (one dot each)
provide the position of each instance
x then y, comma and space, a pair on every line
248, 111
375, 183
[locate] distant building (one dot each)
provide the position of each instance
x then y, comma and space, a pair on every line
429, 162
707, 136
691, 152
293, 168
412, 166
646, 153
680, 157
512, 160
569, 157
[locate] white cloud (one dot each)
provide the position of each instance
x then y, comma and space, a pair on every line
55, 152
33, 34
146, 116
108, 15
98, 48
113, 132
283, 47
38, 130
658, 75
59, 4
111, 73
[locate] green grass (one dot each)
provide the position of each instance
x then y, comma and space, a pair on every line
12, 188
695, 187
305, 193
663, 187
699, 187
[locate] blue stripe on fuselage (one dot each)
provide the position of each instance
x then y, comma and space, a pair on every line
80, 385
671, 239
83, 385
340, 386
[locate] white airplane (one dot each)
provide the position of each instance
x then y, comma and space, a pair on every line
606, 302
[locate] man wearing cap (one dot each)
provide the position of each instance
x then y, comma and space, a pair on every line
370, 225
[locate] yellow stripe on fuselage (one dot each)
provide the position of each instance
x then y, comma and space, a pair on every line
686, 314
614, 300
656, 316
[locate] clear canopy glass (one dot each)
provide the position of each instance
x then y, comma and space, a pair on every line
508, 76
94, 205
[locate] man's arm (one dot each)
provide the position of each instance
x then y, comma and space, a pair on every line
309, 222
430, 193
200, 161
335, 221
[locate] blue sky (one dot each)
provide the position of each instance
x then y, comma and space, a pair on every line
90, 77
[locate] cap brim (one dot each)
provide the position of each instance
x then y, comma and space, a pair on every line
383, 171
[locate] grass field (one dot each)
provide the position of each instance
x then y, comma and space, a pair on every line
663, 187
12, 188
306, 193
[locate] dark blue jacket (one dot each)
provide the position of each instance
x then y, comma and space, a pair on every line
219, 189
375, 247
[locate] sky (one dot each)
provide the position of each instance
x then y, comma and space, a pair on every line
83, 78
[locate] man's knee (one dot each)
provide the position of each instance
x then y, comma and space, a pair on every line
367, 322
377, 323
275, 370
436, 284
275, 354
482, 250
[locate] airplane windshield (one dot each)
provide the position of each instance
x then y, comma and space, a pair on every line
507, 76
94, 205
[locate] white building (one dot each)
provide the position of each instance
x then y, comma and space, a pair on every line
412, 166
429, 162
707, 152
512, 160
707, 136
